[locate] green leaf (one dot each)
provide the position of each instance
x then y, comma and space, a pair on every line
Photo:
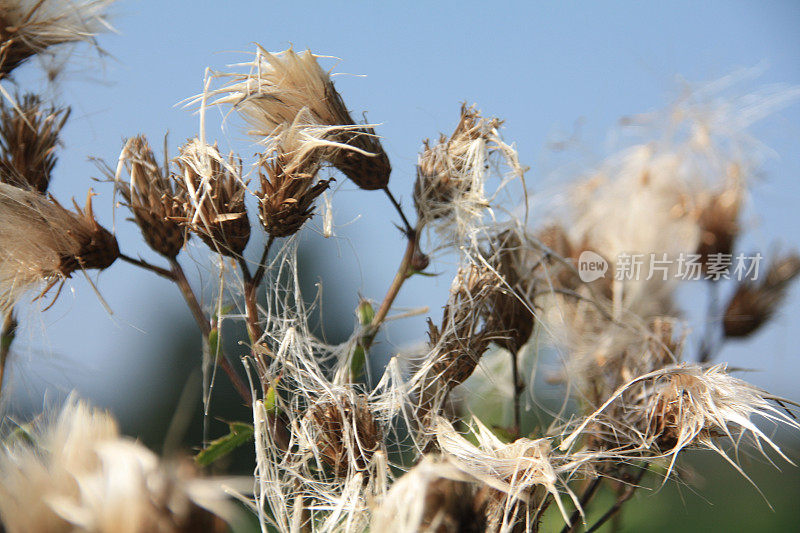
240, 433
358, 361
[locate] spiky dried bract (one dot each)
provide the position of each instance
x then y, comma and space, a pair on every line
75, 472
509, 309
450, 172
157, 205
30, 27
347, 433
287, 194
41, 241
457, 346
755, 302
214, 191
281, 86
28, 142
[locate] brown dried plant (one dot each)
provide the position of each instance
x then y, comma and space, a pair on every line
29, 135
42, 242
157, 205
213, 193
282, 86
32, 27
755, 302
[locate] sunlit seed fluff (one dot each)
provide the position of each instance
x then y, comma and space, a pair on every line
450, 191
687, 406
755, 302
525, 470
433, 497
214, 197
41, 242
28, 142
156, 203
30, 27
75, 472
281, 86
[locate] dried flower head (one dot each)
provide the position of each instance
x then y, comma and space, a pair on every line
214, 191
509, 309
681, 406
719, 224
281, 86
75, 472
290, 187
347, 433
28, 142
30, 27
41, 241
451, 172
153, 199
457, 346
755, 302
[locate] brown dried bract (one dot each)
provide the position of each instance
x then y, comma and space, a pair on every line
215, 194
287, 195
754, 303
28, 142
347, 433
152, 197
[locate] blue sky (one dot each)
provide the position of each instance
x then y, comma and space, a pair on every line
551, 70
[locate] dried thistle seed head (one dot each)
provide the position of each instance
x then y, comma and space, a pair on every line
41, 241
754, 303
288, 191
284, 85
458, 345
508, 309
214, 197
30, 27
719, 224
152, 197
28, 142
347, 433
451, 171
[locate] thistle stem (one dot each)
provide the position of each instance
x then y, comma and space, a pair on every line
6, 338
250, 302
403, 273
163, 272
519, 387
409, 231
708, 347
205, 328
586, 497
621, 499
262, 264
